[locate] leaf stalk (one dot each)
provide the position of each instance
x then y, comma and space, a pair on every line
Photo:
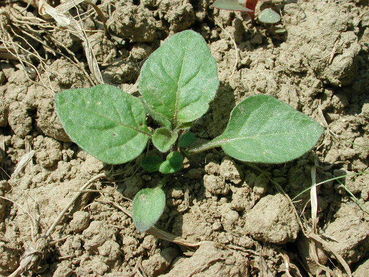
204, 147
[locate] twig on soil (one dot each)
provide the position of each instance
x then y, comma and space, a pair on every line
6, 53
62, 17
327, 181
10, 32
326, 247
158, 232
242, 249
37, 249
90, 56
171, 238
325, 123
314, 199
307, 233
62, 213
353, 197
31, 256
314, 212
286, 261
334, 50
23, 162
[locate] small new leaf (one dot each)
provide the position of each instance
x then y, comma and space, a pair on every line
104, 121
231, 5
263, 129
148, 206
269, 16
172, 164
163, 139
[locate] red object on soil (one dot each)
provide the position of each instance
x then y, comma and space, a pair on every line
251, 4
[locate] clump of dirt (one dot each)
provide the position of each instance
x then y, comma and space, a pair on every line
348, 233
178, 14
272, 220
235, 213
134, 23
335, 61
209, 260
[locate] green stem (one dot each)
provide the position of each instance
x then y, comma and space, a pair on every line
203, 147
163, 182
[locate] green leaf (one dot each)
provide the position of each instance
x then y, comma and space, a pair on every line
151, 162
148, 206
269, 16
265, 130
163, 139
172, 164
179, 80
104, 121
231, 5
187, 139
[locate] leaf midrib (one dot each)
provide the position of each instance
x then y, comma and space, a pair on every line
229, 140
121, 124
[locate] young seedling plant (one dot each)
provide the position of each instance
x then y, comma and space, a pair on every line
267, 15
177, 83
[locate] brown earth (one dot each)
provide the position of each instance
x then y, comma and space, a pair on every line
246, 226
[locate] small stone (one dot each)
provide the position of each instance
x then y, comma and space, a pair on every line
178, 13
246, 242
63, 270
365, 109
103, 49
228, 169
96, 235
212, 168
80, 221
132, 22
242, 199
216, 226
110, 251
48, 151
19, 120
229, 217
215, 185
159, 263
177, 193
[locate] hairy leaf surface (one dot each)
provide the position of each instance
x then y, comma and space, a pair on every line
269, 16
179, 79
232, 5
163, 139
172, 164
148, 206
104, 121
265, 130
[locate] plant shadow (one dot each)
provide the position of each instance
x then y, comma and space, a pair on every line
215, 120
